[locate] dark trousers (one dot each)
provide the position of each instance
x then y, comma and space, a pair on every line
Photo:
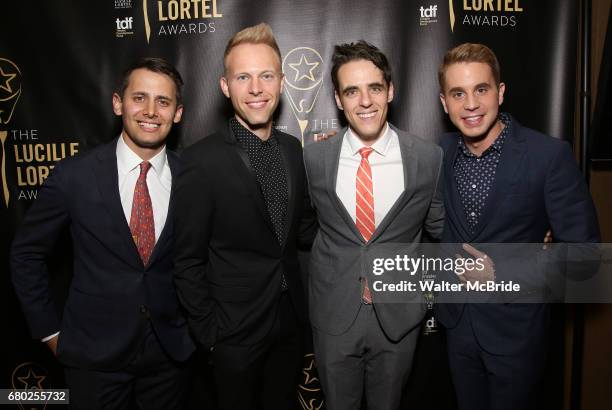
150, 381
263, 375
484, 381
363, 360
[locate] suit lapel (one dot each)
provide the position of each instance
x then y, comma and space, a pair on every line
290, 164
107, 180
509, 165
239, 160
168, 226
410, 165
332, 161
454, 207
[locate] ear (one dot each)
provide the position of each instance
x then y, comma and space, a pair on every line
338, 102
501, 91
178, 114
224, 86
443, 101
390, 93
282, 84
117, 104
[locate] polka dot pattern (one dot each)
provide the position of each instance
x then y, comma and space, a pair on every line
267, 162
475, 175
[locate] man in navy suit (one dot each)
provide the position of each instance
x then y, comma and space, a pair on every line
122, 337
504, 184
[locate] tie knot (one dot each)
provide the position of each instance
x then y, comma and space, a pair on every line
365, 152
144, 167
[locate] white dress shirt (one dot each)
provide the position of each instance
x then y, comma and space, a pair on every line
387, 172
159, 182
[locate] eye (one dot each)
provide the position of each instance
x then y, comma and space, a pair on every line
268, 76
376, 89
350, 93
242, 77
138, 98
481, 90
457, 95
163, 102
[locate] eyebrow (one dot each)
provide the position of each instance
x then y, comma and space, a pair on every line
354, 87
157, 97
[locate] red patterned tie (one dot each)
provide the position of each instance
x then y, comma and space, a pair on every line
364, 215
142, 224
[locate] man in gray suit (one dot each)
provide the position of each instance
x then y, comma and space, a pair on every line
372, 185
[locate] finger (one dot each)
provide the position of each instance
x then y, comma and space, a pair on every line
473, 251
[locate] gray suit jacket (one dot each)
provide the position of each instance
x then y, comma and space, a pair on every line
340, 256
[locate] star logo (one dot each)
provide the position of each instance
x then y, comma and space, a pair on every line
32, 380
304, 69
6, 78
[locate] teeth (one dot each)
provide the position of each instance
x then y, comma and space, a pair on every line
256, 104
473, 119
148, 125
368, 115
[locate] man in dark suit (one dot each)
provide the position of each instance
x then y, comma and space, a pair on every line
241, 209
122, 338
504, 184
372, 186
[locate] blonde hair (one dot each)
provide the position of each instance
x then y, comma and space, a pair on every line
259, 34
469, 53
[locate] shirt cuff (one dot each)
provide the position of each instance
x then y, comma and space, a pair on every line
46, 339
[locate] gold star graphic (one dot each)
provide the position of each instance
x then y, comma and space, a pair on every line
302, 70
308, 372
32, 381
7, 78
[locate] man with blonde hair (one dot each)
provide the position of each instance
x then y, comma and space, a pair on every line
241, 211
504, 183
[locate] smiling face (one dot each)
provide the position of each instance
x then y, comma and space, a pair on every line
253, 81
364, 96
472, 99
148, 108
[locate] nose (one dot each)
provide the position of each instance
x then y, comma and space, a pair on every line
150, 109
471, 102
365, 100
254, 86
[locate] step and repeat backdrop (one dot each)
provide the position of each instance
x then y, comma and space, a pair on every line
60, 61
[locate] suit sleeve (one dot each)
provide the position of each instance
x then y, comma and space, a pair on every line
434, 222
194, 213
308, 222
33, 243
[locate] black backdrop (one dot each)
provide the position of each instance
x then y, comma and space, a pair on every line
60, 60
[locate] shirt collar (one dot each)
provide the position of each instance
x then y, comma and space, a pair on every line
247, 136
127, 159
381, 145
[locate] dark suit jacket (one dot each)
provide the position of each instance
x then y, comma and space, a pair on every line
112, 294
228, 259
537, 186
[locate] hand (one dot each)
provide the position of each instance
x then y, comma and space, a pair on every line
52, 343
322, 136
475, 274
548, 238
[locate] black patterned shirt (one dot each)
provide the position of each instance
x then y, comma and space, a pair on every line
475, 175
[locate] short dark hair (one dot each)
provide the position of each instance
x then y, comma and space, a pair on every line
157, 65
361, 50
469, 53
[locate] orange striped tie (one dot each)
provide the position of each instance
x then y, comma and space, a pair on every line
364, 215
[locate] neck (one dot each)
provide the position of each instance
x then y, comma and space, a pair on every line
478, 145
145, 153
371, 141
262, 131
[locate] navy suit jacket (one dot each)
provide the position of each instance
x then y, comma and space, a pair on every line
112, 294
537, 186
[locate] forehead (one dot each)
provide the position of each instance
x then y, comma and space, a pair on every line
252, 57
150, 82
466, 74
359, 72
